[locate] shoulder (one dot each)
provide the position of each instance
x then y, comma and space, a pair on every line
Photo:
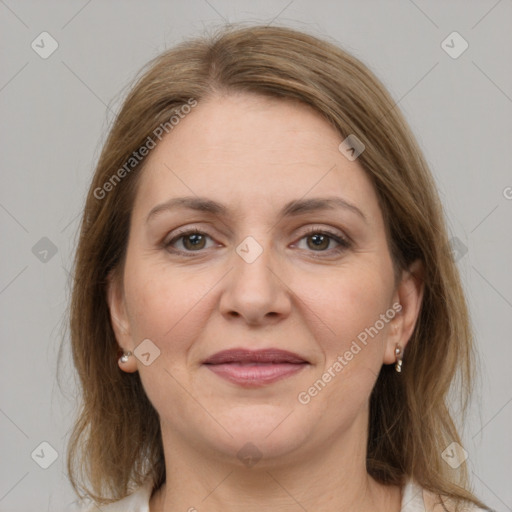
417, 499
138, 501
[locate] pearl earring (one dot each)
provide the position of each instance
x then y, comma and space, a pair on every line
124, 358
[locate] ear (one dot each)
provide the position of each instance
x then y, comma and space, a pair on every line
409, 296
119, 320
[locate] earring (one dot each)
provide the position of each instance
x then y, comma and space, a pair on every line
399, 360
124, 358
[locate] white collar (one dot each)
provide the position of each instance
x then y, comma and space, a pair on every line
138, 501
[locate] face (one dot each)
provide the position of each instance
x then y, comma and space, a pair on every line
280, 248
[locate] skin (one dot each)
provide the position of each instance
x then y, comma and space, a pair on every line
255, 154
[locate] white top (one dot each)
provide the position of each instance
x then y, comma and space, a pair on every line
412, 501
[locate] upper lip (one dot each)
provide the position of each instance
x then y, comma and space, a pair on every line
241, 355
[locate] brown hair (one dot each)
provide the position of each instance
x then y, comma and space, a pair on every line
116, 443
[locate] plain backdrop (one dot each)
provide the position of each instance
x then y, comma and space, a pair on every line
55, 113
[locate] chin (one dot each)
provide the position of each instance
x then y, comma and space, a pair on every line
261, 432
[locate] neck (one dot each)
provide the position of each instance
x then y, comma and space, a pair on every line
331, 479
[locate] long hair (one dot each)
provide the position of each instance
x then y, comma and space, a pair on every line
116, 442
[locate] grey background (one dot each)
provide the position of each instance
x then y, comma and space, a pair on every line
55, 113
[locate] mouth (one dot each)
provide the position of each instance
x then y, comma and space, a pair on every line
251, 368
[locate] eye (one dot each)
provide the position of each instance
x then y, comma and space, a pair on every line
191, 240
317, 240
321, 240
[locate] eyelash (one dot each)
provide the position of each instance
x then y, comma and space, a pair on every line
344, 243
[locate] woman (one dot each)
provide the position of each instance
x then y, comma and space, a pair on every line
266, 312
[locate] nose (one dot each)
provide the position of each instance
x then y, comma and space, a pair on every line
255, 290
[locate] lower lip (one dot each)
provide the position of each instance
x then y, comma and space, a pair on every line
254, 375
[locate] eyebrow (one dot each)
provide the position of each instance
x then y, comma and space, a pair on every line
292, 208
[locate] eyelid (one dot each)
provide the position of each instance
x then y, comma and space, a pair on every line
176, 233
327, 230
181, 232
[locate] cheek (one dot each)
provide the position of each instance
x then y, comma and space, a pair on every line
168, 308
166, 305
346, 306
151, 305
350, 336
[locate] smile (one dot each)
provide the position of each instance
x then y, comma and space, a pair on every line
255, 368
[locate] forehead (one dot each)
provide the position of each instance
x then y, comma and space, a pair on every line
249, 151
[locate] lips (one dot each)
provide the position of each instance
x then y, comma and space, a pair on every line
273, 356
254, 368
